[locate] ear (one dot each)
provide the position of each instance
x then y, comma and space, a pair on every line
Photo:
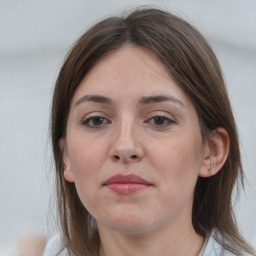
216, 151
68, 174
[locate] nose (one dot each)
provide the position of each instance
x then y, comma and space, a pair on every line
126, 146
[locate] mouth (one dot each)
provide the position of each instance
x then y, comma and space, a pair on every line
126, 184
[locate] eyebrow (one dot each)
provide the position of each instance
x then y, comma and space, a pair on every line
94, 98
143, 100
159, 98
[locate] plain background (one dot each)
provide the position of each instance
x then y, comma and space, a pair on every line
34, 38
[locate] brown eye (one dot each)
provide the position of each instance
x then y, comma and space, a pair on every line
97, 121
160, 121
94, 122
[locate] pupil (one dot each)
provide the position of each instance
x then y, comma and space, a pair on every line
159, 120
97, 121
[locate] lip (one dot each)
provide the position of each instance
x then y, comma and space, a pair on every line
126, 184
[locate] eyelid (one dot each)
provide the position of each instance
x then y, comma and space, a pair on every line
94, 115
162, 116
169, 121
161, 113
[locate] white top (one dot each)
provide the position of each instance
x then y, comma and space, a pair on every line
210, 248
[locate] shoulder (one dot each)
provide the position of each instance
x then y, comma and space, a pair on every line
54, 246
214, 248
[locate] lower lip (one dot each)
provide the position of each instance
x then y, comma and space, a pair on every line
127, 188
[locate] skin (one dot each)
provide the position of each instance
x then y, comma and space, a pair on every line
158, 141
31, 245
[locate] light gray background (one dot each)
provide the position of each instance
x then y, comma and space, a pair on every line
34, 38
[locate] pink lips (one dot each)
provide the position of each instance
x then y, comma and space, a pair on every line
126, 184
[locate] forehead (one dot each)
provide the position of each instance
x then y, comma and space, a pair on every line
129, 71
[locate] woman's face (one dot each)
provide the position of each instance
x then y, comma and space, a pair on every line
133, 145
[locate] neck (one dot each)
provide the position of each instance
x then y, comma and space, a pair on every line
179, 241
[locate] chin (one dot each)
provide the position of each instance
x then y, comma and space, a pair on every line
131, 228
130, 222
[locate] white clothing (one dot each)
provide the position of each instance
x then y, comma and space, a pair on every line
210, 248
53, 246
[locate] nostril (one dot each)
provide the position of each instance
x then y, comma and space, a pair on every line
116, 157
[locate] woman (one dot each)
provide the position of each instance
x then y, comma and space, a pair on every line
145, 143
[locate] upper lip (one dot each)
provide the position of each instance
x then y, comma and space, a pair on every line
126, 179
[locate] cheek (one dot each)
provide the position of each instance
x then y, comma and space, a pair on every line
178, 161
178, 167
86, 157
86, 161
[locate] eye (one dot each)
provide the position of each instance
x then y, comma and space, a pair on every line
160, 121
95, 121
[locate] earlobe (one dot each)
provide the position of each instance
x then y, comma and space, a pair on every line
215, 152
68, 174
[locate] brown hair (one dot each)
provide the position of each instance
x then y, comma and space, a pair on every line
194, 67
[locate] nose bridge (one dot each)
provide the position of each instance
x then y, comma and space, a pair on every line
125, 144
125, 133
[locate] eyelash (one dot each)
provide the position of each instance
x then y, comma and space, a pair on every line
88, 122
167, 121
